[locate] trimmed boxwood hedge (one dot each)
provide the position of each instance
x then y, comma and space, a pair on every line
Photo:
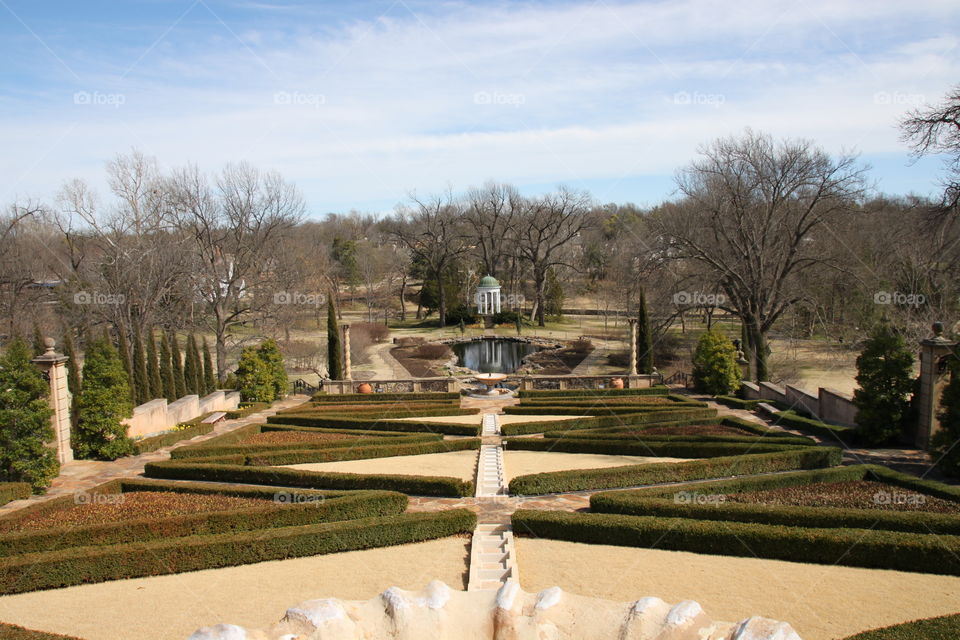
10, 491
276, 476
245, 409
358, 452
877, 549
407, 426
207, 451
676, 416
172, 437
659, 448
941, 628
592, 393
658, 501
377, 412
351, 398
280, 509
656, 473
598, 409
84, 565
794, 420
737, 403
13, 632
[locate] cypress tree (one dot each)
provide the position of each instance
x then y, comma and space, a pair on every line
209, 375
25, 428
73, 374
38, 347
179, 379
153, 367
123, 347
644, 338
140, 382
166, 369
192, 374
334, 347
105, 401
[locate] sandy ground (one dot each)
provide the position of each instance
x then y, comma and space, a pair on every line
477, 419
821, 602
454, 464
256, 595
521, 463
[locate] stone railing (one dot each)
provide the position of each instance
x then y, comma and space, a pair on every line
564, 382
828, 405
159, 415
402, 385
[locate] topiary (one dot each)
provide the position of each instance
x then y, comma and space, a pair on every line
104, 402
269, 352
255, 377
25, 429
885, 376
715, 368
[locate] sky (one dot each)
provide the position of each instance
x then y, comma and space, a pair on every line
363, 103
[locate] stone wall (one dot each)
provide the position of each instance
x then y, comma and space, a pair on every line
837, 408
827, 405
157, 415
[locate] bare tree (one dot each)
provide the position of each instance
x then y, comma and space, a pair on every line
489, 214
750, 219
236, 229
543, 233
936, 129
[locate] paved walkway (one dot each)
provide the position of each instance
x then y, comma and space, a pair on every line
82, 475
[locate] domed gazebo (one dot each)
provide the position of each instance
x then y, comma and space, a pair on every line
488, 296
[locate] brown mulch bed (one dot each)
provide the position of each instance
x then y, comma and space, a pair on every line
129, 506
417, 367
697, 430
857, 494
288, 437
555, 362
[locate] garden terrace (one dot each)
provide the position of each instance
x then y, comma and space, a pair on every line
376, 423
650, 418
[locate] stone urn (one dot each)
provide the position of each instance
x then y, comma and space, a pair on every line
616, 383
365, 388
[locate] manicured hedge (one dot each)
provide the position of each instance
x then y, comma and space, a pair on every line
641, 437
659, 448
876, 549
172, 437
248, 449
13, 632
592, 393
942, 628
655, 473
678, 501
377, 412
280, 509
598, 409
245, 409
84, 565
307, 420
793, 420
350, 398
676, 416
358, 452
738, 403
276, 476
10, 491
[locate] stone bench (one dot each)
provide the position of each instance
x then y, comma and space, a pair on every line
214, 417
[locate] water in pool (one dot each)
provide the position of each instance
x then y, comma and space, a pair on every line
492, 356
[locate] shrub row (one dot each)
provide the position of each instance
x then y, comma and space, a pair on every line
592, 393
275, 476
598, 409
656, 473
306, 420
280, 509
794, 420
659, 448
940, 628
641, 437
851, 547
593, 422
171, 437
81, 565
679, 501
738, 403
358, 452
246, 408
383, 413
10, 491
207, 451
13, 632
346, 398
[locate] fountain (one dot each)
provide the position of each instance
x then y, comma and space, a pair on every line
491, 380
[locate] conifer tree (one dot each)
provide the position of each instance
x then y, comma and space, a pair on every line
269, 352
944, 447
255, 378
166, 369
334, 347
715, 368
192, 375
209, 373
179, 379
39, 348
73, 374
153, 367
123, 348
140, 382
885, 379
105, 401
644, 338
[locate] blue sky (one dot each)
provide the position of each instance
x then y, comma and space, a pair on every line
360, 103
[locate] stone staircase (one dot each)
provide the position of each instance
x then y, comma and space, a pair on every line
490, 425
493, 558
490, 472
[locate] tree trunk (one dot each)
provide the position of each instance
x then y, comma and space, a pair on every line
221, 355
443, 300
758, 349
540, 285
403, 304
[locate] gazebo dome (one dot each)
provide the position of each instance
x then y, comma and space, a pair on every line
488, 296
489, 281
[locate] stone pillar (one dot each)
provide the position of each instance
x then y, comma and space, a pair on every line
53, 366
633, 347
933, 377
347, 374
